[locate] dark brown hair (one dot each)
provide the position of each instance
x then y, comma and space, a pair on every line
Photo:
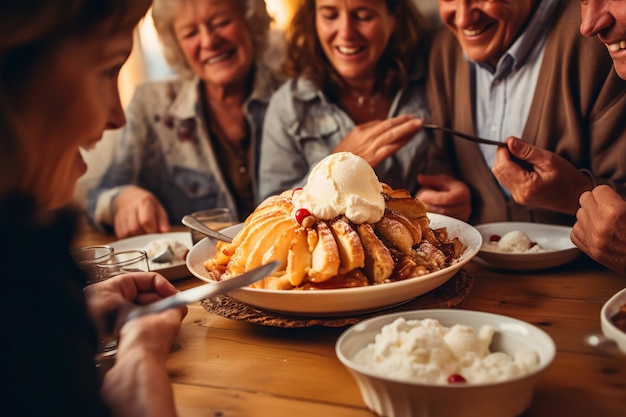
306, 58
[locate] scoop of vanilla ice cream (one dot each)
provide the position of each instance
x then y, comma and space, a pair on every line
514, 241
466, 344
342, 183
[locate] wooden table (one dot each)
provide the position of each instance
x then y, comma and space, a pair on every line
228, 368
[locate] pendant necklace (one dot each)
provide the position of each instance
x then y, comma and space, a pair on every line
371, 101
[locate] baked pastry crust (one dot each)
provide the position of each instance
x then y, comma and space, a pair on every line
336, 253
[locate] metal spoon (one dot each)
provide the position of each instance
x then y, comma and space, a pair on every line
198, 226
603, 343
165, 256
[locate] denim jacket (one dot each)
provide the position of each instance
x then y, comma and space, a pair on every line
165, 148
302, 127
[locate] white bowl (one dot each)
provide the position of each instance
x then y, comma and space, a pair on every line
344, 301
609, 309
553, 237
400, 398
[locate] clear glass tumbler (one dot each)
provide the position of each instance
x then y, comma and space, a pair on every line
117, 263
87, 259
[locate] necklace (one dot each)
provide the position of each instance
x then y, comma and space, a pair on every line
371, 101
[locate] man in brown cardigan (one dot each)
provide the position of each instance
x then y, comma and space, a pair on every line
575, 110
601, 227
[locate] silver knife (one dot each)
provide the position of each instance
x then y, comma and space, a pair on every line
129, 311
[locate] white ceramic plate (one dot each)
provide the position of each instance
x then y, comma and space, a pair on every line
609, 309
172, 271
553, 237
343, 301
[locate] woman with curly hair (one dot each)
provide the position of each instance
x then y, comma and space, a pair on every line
357, 85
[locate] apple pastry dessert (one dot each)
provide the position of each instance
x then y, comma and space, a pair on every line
343, 229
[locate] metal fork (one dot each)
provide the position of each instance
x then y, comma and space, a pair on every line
464, 135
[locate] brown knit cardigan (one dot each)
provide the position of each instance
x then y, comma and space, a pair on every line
578, 111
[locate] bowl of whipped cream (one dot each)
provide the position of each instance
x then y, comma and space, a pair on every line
442, 362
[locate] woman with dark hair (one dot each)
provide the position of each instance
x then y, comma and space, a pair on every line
357, 85
59, 65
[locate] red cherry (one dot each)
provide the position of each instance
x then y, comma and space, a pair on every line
302, 214
294, 190
494, 238
456, 378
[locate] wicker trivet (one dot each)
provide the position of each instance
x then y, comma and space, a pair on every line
448, 295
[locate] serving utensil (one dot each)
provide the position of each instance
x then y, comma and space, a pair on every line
129, 311
464, 135
165, 256
604, 344
198, 226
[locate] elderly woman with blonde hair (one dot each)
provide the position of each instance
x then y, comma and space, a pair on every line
191, 142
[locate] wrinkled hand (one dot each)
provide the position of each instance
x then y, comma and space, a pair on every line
374, 141
600, 229
548, 181
137, 211
445, 195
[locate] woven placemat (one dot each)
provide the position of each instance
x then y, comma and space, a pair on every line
448, 295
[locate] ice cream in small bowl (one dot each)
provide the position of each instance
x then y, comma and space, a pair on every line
525, 245
445, 362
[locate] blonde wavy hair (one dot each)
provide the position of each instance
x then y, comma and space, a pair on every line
164, 12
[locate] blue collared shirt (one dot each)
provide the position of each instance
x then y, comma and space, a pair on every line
504, 95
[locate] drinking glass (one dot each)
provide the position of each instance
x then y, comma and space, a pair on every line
87, 259
122, 262
216, 219
117, 263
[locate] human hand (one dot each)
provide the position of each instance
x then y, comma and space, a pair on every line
140, 288
137, 211
539, 178
445, 195
374, 141
138, 383
600, 228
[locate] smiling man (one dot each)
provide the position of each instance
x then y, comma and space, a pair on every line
600, 230
502, 68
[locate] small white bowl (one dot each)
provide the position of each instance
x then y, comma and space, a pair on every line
553, 237
609, 309
400, 398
